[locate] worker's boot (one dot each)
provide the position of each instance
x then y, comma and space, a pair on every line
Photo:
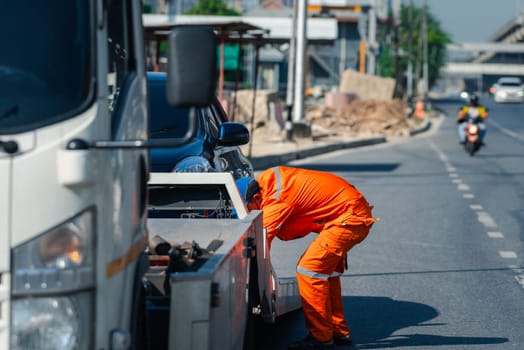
310, 343
343, 340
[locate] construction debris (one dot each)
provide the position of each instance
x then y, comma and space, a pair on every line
363, 106
367, 87
362, 118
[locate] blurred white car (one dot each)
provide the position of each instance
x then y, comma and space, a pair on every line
508, 89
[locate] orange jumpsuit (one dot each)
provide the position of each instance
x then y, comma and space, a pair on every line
296, 202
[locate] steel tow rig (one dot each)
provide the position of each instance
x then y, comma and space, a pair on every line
210, 306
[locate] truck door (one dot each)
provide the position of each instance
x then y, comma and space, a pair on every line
5, 174
5, 195
22, 142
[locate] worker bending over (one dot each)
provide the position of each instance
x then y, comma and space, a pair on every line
296, 202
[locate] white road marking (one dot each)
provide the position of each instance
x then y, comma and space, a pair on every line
520, 279
463, 187
519, 274
495, 235
486, 219
508, 254
506, 131
483, 216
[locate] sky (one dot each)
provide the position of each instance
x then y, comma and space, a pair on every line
472, 20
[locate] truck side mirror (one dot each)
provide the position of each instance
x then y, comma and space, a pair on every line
192, 68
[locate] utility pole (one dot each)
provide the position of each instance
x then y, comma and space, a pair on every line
409, 74
396, 40
179, 7
425, 72
372, 39
298, 113
291, 75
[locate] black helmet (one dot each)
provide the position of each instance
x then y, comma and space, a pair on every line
474, 99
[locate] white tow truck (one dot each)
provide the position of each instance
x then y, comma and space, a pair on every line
212, 304
75, 270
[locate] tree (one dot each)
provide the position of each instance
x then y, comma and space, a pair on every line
212, 8
437, 40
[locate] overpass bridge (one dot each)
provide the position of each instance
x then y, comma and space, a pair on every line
479, 65
483, 59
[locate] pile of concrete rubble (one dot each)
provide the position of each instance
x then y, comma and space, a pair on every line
361, 118
363, 106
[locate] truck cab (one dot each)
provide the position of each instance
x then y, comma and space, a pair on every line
74, 173
74, 160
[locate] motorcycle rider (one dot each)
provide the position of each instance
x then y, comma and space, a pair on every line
472, 110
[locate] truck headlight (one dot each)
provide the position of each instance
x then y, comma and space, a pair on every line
60, 259
44, 323
53, 287
50, 323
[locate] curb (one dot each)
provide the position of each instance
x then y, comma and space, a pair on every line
264, 162
426, 125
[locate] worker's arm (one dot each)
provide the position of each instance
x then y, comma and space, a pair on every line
294, 229
274, 217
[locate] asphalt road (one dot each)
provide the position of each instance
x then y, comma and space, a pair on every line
444, 268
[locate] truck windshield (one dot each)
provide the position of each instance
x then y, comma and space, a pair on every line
46, 70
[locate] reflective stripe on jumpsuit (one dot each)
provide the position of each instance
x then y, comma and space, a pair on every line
319, 270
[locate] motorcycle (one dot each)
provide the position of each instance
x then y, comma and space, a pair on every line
473, 141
